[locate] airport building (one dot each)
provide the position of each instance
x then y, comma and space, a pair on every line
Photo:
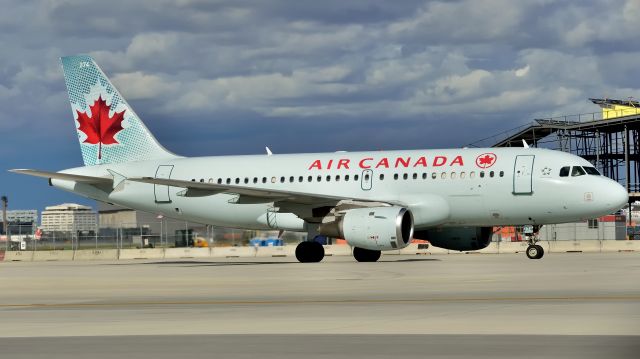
69, 217
19, 221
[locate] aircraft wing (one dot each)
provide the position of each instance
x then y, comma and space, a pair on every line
66, 176
247, 194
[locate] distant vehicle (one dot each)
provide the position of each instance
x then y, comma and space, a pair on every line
375, 200
266, 242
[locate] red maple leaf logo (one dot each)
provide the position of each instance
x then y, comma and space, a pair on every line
100, 128
486, 160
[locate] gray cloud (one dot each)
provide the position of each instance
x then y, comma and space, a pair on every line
219, 77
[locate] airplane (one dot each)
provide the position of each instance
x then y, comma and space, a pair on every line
375, 200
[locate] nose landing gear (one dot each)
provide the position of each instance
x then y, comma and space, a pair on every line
534, 251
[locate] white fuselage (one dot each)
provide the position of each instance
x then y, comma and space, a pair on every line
453, 187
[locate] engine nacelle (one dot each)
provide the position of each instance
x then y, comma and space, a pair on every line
457, 238
375, 228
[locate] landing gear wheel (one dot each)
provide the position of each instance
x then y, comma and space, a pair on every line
365, 255
309, 252
535, 251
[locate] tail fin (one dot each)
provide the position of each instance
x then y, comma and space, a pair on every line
108, 129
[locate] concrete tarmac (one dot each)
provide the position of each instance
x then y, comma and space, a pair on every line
452, 305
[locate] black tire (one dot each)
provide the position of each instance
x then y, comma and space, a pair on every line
533, 251
540, 251
365, 255
309, 252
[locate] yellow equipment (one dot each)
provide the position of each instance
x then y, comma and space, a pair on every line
617, 108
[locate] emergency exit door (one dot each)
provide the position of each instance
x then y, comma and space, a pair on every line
523, 175
161, 191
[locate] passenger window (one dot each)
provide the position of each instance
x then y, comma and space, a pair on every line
337, 178
310, 178
273, 179
246, 180
282, 179
453, 175
395, 176
443, 175
591, 171
501, 173
415, 176
237, 180
319, 178
264, 179
300, 179
328, 178
355, 178
564, 171
463, 175
219, 180
255, 179
381, 177
405, 176
472, 174
424, 175
434, 175
346, 177
491, 174
481, 174
291, 179
577, 171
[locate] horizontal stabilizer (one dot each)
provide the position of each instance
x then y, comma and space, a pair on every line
65, 176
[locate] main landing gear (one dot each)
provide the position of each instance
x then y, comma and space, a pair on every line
365, 255
309, 252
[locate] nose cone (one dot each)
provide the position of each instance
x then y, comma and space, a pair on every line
616, 196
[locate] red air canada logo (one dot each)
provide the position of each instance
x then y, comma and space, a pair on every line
100, 128
486, 160
387, 162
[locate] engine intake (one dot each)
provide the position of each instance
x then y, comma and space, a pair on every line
375, 228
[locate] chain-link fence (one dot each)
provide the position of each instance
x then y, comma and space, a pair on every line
588, 230
28, 238
166, 234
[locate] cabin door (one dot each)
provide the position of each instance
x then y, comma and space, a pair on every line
523, 175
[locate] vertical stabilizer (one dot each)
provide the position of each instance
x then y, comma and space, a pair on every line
108, 129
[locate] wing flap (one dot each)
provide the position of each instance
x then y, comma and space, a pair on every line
247, 194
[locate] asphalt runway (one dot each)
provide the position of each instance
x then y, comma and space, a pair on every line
473, 305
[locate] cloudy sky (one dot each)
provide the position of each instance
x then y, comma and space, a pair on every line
229, 77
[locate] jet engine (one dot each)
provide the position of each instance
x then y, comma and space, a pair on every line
457, 238
374, 228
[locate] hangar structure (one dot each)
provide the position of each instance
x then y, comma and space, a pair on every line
609, 139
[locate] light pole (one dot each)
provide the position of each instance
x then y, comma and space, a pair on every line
5, 225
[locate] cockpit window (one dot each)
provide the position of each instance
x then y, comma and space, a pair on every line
564, 171
591, 171
577, 171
